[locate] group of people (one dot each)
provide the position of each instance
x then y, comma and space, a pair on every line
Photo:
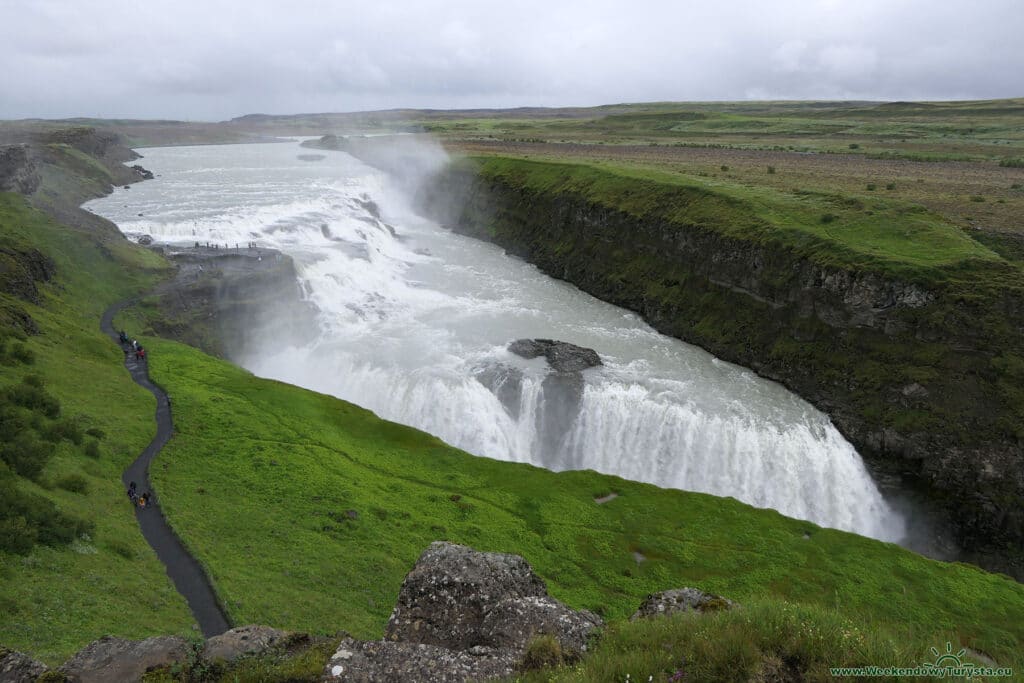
131, 345
145, 500
215, 245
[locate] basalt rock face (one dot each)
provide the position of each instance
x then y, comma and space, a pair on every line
463, 615
22, 270
95, 143
117, 659
913, 376
18, 173
16, 667
227, 301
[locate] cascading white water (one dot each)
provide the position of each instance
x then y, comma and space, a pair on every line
414, 324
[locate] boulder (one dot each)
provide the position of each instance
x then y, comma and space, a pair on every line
445, 597
384, 661
681, 600
117, 659
143, 173
145, 240
244, 640
512, 624
16, 667
462, 615
561, 356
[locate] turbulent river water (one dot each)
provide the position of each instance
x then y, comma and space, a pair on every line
414, 321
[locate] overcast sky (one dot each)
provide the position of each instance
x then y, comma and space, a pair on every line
212, 59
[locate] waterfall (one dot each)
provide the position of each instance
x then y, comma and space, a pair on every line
414, 324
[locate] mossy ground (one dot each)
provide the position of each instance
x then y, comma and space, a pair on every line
761, 641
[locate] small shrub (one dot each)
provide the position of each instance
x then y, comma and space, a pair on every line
17, 536
771, 169
828, 218
96, 433
92, 449
724, 167
543, 652
1012, 163
30, 394
27, 519
854, 145
871, 187
75, 483
64, 430
890, 186
977, 198
26, 454
20, 353
1016, 186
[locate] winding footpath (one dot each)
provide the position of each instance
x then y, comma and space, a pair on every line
183, 569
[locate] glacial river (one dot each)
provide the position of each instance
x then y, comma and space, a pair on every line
413, 323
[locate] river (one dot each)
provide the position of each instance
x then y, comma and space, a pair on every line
414, 322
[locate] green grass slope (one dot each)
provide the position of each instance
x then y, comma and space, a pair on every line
56, 599
308, 511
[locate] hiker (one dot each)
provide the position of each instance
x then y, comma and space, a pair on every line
123, 337
131, 493
143, 499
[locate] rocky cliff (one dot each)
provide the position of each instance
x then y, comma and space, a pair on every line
918, 375
220, 298
17, 171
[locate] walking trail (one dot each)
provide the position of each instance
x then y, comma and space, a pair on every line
183, 569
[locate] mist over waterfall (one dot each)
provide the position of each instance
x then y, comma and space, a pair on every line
414, 323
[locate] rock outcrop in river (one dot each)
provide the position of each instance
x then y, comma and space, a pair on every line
561, 356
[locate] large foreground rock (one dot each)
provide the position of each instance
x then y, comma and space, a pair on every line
444, 599
244, 640
463, 615
117, 659
16, 667
681, 600
561, 356
384, 661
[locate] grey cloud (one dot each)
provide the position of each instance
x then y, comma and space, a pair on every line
213, 60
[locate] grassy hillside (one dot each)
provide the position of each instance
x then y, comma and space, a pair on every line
56, 598
878, 234
307, 512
